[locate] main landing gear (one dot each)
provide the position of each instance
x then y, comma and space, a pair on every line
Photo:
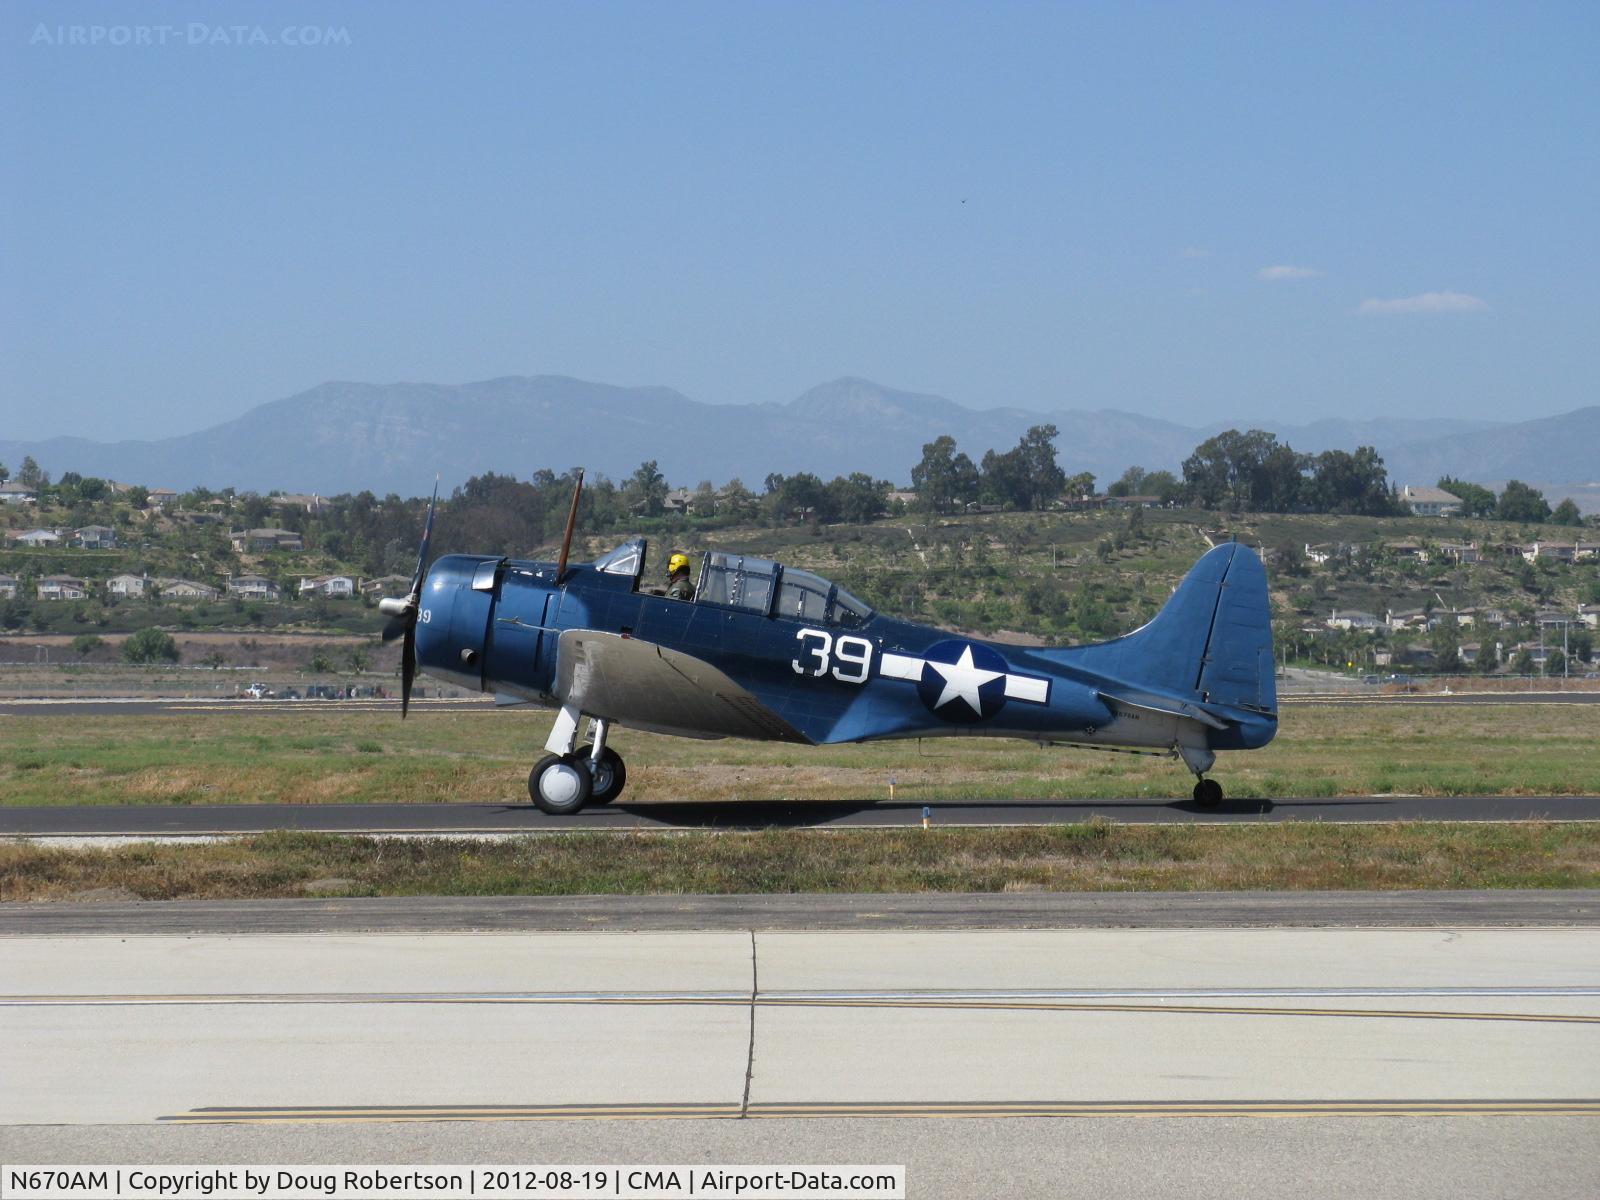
1208, 792
566, 779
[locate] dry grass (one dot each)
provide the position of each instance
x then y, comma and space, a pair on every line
1094, 856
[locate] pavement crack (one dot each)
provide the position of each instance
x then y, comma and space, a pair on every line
750, 1049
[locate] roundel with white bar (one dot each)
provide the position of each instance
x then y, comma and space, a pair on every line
963, 681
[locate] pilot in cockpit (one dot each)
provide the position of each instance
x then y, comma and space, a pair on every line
679, 586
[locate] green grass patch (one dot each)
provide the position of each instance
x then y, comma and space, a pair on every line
325, 753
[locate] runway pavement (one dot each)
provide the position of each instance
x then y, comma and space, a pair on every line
1153, 1062
923, 911
154, 821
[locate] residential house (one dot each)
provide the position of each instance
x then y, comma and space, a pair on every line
262, 540
909, 499
1585, 550
1409, 618
1352, 618
253, 587
1319, 554
1430, 502
1589, 615
386, 585
1539, 654
96, 537
162, 498
329, 585
302, 501
37, 538
8, 587
125, 585
12, 492
1561, 552
1468, 653
187, 589
1408, 551
1492, 618
1133, 501
62, 587
677, 500
1461, 552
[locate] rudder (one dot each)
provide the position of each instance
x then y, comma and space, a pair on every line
1211, 641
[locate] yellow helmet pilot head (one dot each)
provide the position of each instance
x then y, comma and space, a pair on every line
678, 562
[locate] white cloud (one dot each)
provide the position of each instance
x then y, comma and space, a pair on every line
1284, 271
1195, 252
1427, 302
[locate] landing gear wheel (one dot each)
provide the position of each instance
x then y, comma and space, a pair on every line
609, 774
1208, 792
559, 784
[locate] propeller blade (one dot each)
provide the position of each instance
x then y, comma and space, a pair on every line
427, 536
408, 666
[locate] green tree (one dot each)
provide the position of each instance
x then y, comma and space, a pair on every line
945, 478
1131, 483
1350, 484
1519, 502
86, 644
150, 646
858, 498
647, 489
1566, 513
1476, 500
1244, 472
5, 472
139, 496
29, 475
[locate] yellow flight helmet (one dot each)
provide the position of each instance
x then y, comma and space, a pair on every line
678, 562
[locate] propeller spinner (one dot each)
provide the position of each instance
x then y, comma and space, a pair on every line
402, 612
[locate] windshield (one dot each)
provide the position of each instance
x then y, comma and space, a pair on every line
626, 559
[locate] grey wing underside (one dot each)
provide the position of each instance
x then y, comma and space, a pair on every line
651, 687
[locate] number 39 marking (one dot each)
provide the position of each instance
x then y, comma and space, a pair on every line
854, 655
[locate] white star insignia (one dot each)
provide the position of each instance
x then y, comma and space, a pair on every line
962, 681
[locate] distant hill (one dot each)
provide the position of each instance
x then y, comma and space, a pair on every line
345, 437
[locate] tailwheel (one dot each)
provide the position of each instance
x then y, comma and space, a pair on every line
608, 775
1208, 792
559, 784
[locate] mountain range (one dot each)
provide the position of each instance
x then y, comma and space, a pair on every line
347, 437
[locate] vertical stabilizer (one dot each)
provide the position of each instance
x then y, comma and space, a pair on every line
1211, 642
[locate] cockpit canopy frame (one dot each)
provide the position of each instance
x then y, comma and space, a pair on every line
750, 584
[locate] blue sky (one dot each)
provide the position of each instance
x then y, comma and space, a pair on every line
1054, 206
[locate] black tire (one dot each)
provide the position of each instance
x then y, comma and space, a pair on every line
559, 785
609, 779
1208, 793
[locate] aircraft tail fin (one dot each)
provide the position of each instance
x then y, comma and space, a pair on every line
1211, 641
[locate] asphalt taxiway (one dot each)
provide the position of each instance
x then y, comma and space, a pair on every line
504, 819
1188, 1062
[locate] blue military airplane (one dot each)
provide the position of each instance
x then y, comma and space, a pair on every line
774, 653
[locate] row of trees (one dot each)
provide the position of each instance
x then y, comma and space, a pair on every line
1025, 477
1517, 502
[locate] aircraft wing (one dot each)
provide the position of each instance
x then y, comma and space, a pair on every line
648, 686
